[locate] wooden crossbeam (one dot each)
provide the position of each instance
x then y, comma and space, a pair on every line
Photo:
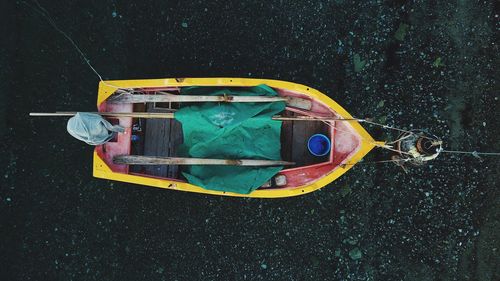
168, 97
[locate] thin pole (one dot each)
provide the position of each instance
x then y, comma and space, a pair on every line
166, 115
170, 115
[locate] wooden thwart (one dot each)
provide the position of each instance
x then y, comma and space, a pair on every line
168, 97
153, 160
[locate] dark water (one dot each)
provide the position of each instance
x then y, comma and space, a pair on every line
437, 222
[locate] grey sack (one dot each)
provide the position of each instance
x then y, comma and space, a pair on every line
92, 128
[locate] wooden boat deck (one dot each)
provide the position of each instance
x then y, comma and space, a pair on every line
294, 138
350, 141
160, 137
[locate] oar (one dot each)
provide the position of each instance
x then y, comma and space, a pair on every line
170, 115
168, 97
153, 160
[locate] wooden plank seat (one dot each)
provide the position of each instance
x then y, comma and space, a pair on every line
161, 138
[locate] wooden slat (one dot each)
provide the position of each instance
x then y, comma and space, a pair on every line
169, 97
176, 139
157, 141
152, 160
299, 143
286, 140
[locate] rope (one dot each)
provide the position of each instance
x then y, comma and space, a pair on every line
400, 139
376, 162
473, 153
44, 13
390, 127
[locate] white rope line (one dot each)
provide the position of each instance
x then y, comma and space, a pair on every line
473, 153
381, 161
44, 13
391, 128
400, 139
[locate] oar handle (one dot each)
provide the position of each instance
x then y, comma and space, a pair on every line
37, 114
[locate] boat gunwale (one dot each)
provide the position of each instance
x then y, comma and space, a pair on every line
107, 88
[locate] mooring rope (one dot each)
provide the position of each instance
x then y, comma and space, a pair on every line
377, 162
388, 145
400, 139
473, 153
44, 13
384, 126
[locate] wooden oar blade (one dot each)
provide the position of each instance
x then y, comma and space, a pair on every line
154, 160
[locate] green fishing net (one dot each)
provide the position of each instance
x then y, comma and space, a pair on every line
230, 131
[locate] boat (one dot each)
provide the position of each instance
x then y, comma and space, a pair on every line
350, 142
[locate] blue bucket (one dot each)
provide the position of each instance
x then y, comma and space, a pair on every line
319, 145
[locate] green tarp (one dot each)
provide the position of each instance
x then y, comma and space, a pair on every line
230, 131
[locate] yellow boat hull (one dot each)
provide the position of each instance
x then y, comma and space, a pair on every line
107, 88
